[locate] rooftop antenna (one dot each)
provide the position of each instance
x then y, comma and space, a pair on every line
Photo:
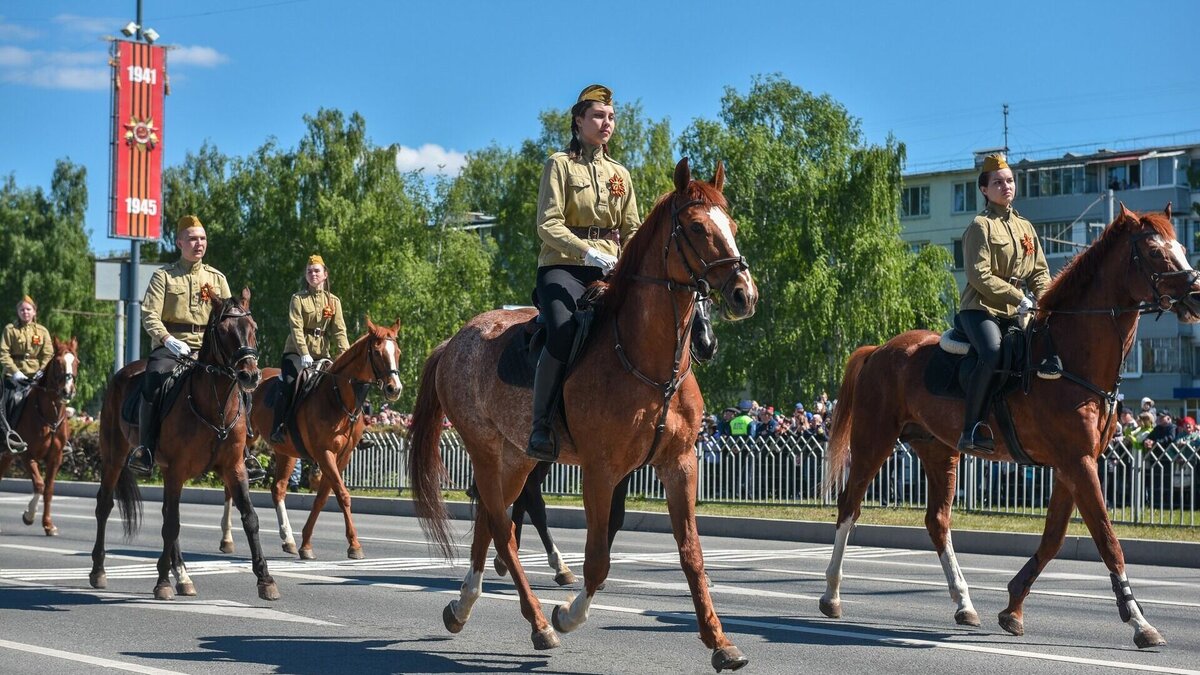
1006, 128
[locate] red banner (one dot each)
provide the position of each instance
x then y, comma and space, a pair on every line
139, 81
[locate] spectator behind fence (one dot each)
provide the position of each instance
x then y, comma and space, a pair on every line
816, 429
1137, 434
765, 425
1163, 433
1148, 407
739, 427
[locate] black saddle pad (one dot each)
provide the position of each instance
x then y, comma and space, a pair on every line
947, 374
14, 400
167, 394
519, 359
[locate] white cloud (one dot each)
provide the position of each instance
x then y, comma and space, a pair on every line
205, 57
11, 31
92, 25
430, 158
86, 71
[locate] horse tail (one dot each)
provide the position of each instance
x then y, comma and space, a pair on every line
837, 457
425, 467
129, 501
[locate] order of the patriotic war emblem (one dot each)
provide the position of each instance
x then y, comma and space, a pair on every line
143, 133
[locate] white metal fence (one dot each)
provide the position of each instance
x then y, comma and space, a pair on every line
1157, 487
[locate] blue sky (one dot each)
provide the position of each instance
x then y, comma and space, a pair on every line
443, 78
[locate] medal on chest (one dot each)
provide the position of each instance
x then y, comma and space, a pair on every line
206, 293
37, 340
616, 186
327, 312
1027, 244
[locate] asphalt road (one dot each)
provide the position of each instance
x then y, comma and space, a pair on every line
383, 614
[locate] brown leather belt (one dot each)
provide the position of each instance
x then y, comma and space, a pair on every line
175, 327
596, 232
315, 332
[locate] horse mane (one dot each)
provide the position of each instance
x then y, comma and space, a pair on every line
611, 294
347, 357
1071, 282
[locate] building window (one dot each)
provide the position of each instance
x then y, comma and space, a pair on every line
1124, 176
1056, 238
914, 201
1058, 180
957, 249
1164, 171
964, 197
1161, 355
915, 246
1132, 367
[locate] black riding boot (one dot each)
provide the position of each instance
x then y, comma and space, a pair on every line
141, 458
973, 437
545, 386
254, 470
278, 425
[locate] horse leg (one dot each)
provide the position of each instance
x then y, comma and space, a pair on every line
457, 612
283, 470
183, 581
1058, 514
39, 487
597, 503
941, 472
1089, 497
518, 519
342, 493
324, 487
227, 523
104, 506
53, 462
494, 497
172, 489
678, 476
864, 464
535, 504
267, 590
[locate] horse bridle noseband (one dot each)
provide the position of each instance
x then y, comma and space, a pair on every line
700, 289
243, 352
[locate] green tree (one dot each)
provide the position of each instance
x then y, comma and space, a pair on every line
45, 244
817, 209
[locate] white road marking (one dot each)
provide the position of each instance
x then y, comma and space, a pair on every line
84, 658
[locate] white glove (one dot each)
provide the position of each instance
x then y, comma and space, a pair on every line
306, 361
19, 377
178, 347
600, 259
1024, 306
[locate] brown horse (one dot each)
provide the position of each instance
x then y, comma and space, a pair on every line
629, 400
43, 427
205, 429
1092, 308
330, 423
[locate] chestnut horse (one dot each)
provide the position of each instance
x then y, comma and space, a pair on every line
43, 426
628, 401
331, 423
1092, 307
205, 429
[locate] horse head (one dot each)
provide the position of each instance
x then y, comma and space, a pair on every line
60, 373
1164, 276
703, 234
383, 352
231, 340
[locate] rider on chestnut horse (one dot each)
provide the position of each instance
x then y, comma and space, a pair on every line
25, 349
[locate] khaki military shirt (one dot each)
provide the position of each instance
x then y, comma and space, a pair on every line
25, 348
174, 296
589, 190
312, 312
998, 245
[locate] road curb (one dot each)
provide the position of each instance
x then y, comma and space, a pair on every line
1137, 551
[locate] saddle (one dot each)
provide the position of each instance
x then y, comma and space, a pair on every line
14, 400
518, 361
168, 393
950, 367
306, 383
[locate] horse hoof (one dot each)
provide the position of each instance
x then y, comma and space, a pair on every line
268, 590
452, 623
227, 547
307, 554
289, 547
1012, 624
554, 620
186, 588
164, 592
564, 578
98, 579
51, 531
545, 639
501, 568
728, 658
355, 553
1149, 637
831, 608
600, 586
966, 617
27, 518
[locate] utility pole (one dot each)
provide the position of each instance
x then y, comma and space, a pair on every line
133, 323
1005, 116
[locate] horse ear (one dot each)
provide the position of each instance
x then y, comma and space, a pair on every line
74, 344
683, 175
370, 324
718, 180
1167, 211
246, 297
1126, 213
396, 326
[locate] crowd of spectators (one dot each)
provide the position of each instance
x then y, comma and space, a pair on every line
751, 419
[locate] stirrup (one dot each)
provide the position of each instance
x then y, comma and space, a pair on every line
972, 442
15, 444
141, 461
542, 452
279, 434
254, 470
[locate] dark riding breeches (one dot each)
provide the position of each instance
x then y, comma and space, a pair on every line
983, 330
559, 288
158, 365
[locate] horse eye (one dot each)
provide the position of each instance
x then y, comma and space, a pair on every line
698, 228
1155, 253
